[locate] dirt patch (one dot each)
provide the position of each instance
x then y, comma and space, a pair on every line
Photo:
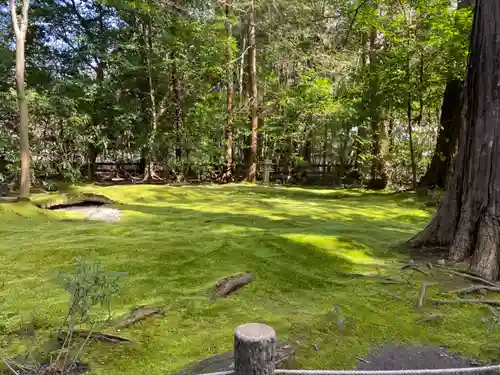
401, 358
65, 200
91, 206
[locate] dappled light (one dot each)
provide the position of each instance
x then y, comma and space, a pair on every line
175, 244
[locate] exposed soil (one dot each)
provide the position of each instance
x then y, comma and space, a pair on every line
401, 358
91, 211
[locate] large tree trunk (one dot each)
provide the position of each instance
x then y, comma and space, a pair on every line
228, 175
20, 26
439, 167
252, 85
467, 219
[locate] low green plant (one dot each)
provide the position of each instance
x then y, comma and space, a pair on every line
89, 287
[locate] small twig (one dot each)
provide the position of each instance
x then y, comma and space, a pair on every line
423, 289
493, 311
408, 281
4, 360
383, 291
429, 318
415, 268
362, 360
464, 300
382, 278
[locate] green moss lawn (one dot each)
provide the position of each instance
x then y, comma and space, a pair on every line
175, 243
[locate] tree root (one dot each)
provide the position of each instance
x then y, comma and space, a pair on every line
463, 300
469, 275
474, 288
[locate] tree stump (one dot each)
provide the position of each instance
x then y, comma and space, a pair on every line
254, 349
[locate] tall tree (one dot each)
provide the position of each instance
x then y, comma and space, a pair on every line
20, 24
228, 175
379, 175
253, 99
449, 130
467, 219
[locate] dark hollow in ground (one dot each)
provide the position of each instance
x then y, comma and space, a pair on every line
77, 204
401, 358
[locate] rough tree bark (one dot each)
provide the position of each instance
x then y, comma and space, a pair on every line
252, 85
20, 25
446, 145
468, 217
228, 175
439, 167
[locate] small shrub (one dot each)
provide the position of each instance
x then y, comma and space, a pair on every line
89, 287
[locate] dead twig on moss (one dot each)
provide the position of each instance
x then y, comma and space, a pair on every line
382, 279
421, 296
428, 318
414, 267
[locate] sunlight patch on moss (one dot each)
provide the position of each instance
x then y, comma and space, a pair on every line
354, 253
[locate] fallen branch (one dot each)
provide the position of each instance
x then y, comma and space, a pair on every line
106, 337
231, 284
469, 275
137, 315
415, 268
475, 288
428, 318
395, 296
386, 279
408, 281
464, 300
421, 297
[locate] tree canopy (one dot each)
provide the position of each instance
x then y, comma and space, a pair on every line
339, 92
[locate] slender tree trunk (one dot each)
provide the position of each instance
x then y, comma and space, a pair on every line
410, 141
228, 176
178, 118
20, 25
150, 168
25, 180
468, 218
379, 176
252, 78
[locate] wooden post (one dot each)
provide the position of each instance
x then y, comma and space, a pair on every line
254, 349
267, 170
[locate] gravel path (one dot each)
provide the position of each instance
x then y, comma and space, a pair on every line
99, 213
401, 358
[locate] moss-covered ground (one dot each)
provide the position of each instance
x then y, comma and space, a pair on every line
175, 243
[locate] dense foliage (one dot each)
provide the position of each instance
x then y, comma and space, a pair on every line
341, 87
